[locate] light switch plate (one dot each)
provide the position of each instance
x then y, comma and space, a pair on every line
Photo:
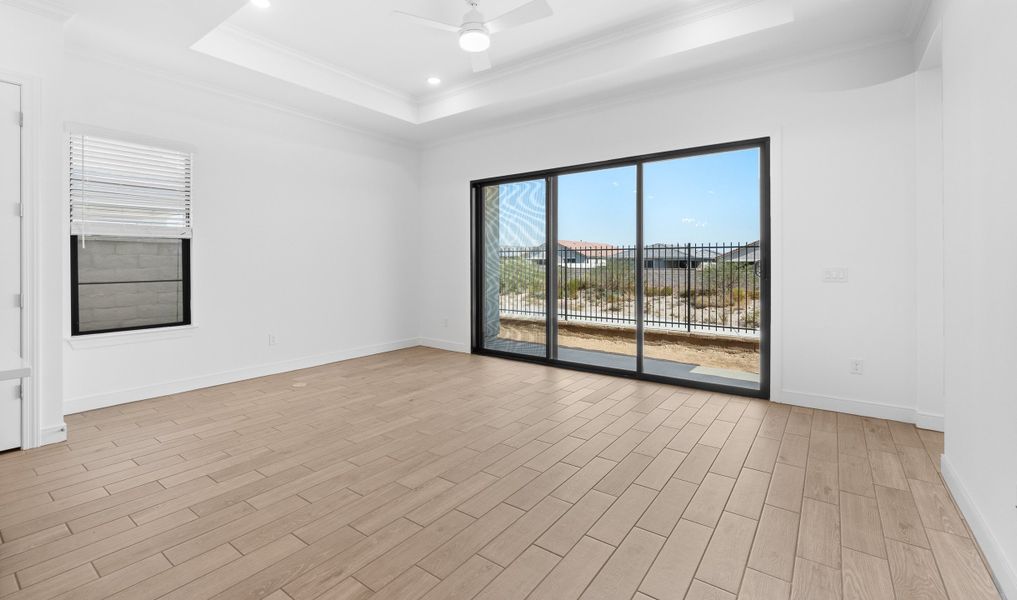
835, 275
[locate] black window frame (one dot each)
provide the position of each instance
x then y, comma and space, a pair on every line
550, 176
185, 280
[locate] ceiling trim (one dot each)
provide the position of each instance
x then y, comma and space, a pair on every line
118, 61
245, 49
625, 32
651, 89
264, 42
601, 63
656, 89
46, 8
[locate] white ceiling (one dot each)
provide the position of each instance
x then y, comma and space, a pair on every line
364, 38
352, 61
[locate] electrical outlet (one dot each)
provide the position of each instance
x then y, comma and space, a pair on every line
857, 366
271, 339
835, 275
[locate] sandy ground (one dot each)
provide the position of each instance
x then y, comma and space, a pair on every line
702, 351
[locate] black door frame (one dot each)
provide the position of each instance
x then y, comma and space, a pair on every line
550, 177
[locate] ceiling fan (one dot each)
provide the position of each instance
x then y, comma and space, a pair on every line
475, 32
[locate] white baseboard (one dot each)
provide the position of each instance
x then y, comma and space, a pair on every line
444, 345
1003, 570
94, 401
862, 408
930, 421
53, 435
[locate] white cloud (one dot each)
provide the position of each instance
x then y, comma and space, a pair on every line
689, 220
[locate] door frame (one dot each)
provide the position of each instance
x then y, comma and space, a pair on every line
31, 434
763, 144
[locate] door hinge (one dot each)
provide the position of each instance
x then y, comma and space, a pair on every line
19, 300
19, 209
19, 392
21, 119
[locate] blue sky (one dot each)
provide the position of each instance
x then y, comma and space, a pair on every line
707, 198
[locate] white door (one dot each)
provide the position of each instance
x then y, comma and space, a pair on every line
12, 367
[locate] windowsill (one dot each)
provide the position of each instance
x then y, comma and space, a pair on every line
138, 336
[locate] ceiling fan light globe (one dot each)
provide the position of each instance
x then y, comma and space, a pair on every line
474, 39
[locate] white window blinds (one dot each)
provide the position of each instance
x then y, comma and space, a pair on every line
125, 189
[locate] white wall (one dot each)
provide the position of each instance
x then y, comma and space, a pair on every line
929, 238
843, 195
302, 230
31, 53
980, 129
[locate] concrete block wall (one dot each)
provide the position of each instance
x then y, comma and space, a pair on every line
128, 282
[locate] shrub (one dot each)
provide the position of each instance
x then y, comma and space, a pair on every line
723, 277
716, 317
568, 289
705, 301
521, 276
750, 319
617, 275
659, 291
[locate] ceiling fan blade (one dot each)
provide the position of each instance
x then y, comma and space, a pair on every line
481, 61
527, 13
419, 20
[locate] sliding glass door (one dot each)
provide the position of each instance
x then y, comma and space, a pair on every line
701, 265
597, 268
653, 267
513, 235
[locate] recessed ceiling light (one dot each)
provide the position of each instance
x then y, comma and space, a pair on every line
261, 3
433, 81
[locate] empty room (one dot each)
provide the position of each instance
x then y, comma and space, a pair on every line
508, 299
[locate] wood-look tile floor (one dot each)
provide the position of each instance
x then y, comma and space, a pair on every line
427, 474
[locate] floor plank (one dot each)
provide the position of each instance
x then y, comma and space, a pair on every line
443, 476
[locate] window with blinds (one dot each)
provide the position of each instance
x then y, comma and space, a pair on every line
130, 208
121, 188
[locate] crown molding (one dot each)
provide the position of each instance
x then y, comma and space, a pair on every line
646, 26
271, 45
244, 49
45, 8
599, 67
634, 29
661, 88
118, 61
431, 139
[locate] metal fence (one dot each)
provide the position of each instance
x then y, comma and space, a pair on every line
708, 287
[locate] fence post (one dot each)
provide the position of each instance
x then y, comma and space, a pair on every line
564, 283
688, 287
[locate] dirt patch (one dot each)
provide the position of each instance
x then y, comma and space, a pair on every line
707, 350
